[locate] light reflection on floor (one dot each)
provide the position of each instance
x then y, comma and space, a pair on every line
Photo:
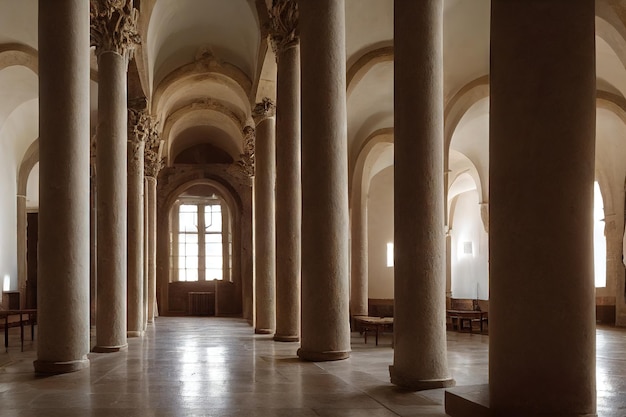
218, 367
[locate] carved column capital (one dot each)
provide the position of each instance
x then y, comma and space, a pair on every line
138, 127
114, 26
246, 161
152, 151
263, 110
283, 25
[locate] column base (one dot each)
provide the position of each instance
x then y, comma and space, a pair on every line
413, 384
286, 338
263, 331
49, 367
134, 333
307, 355
109, 349
473, 401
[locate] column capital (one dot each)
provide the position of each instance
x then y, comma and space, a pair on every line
152, 151
114, 26
246, 161
283, 25
264, 110
139, 123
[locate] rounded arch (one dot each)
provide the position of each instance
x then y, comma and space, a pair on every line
204, 113
178, 183
367, 60
17, 54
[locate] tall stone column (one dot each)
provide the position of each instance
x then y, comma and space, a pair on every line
264, 221
137, 131
420, 358
359, 270
113, 34
63, 296
153, 164
325, 257
541, 171
21, 248
284, 20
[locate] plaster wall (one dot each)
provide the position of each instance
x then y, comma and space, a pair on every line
380, 232
470, 271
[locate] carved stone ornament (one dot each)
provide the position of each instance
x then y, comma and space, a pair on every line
283, 25
114, 26
138, 129
263, 110
246, 159
152, 161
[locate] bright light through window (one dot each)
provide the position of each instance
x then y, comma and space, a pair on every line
390, 254
599, 240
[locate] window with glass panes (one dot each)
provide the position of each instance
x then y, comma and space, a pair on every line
200, 245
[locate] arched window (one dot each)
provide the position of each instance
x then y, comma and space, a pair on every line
203, 241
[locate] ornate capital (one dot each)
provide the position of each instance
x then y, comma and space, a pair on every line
152, 158
283, 25
138, 127
263, 110
114, 26
246, 161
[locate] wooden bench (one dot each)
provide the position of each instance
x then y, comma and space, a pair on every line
20, 321
462, 311
374, 324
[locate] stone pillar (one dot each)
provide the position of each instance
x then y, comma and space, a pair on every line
21, 248
113, 35
420, 358
542, 130
264, 222
360, 256
153, 164
63, 284
284, 19
137, 131
146, 248
325, 313
93, 247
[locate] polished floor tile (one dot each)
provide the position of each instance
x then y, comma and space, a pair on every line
217, 367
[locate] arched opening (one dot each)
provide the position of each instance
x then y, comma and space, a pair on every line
469, 242
202, 250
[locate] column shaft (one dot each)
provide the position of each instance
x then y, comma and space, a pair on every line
21, 249
135, 238
112, 203
288, 196
63, 285
420, 358
265, 230
359, 270
151, 236
542, 129
325, 257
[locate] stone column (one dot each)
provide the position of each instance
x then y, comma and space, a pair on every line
284, 19
153, 164
113, 35
137, 131
420, 359
264, 222
360, 256
542, 130
325, 257
63, 284
21, 248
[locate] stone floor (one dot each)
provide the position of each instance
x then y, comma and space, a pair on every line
218, 367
